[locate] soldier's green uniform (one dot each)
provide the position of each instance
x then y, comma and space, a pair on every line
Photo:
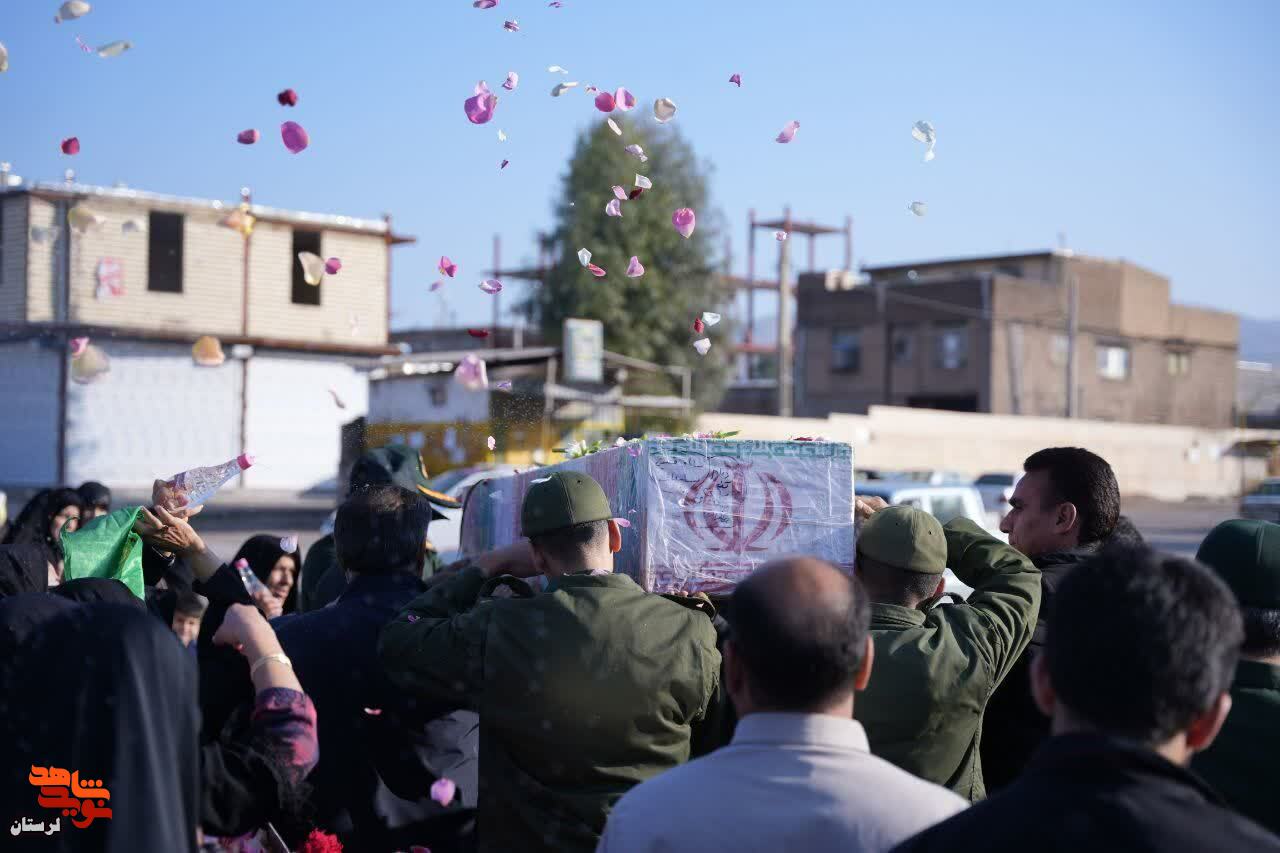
935, 668
1243, 762
322, 580
583, 690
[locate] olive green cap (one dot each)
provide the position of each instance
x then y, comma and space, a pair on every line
399, 465
1245, 553
562, 499
905, 538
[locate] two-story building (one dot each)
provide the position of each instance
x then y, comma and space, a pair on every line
149, 275
991, 334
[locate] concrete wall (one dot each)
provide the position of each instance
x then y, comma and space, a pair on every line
1167, 462
29, 375
13, 259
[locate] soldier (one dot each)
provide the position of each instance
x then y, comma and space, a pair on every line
936, 664
583, 690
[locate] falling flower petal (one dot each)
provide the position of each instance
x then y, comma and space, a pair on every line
556, 69
780, 236
698, 326
513, 80
295, 137
312, 267
634, 450
924, 132
620, 194
288, 544
471, 372
555, 4
4, 58
332, 266
702, 345
613, 208
736, 79
248, 137
504, 385
82, 219
664, 110
442, 790
503, 165
635, 193
625, 99
337, 401
113, 49
207, 352
482, 88
635, 269
584, 257
511, 26
502, 137
637, 152
42, 235
478, 333
288, 98
434, 286
239, 220
133, 226
919, 208
485, 4
71, 145
788, 132
613, 125
90, 365
491, 443
447, 267
605, 102
560, 88
622, 522
71, 10
710, 318
374, 712
684, 221
77, 346
480, 106
596, 271
491, 286
643, 183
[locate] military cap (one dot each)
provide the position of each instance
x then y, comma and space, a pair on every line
398, 465
1245, 553
562, 499
905, 538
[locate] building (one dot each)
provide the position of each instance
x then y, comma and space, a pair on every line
150, 276
990, 334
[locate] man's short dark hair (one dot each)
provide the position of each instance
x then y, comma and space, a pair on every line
1084, 479
94, 494
190, 603
1141, 643
799, 657
571, 544
380, 529
1261, 631
914, 586
1126, 531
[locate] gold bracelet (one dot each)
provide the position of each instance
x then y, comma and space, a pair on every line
262, 661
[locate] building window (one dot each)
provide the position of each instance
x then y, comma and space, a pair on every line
303, 293
904, 346
953, 347
164, 252
1113, 362
1179, 362
846, 351
1059, 351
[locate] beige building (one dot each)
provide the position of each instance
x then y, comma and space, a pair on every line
989, 334
154, 273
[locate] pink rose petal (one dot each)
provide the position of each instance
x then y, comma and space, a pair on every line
637, 152
491, 286
702, 345
698, 325
332, 266
620, 194
434, 286
71, 146
789, 132
78, 346
613, 208
736, 79
478, 333
480, 106
635, 269
248, 137
781, 236
626, 100
596, 271
504, 385
288, 98
555, 4
373, 712
503, 165
447, 267
491, 443
443, 789
622, 522
634, 450
684, 221
485, 4
511, 26
513, 80
605, 102
294, 136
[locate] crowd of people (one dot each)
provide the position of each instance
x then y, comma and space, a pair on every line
1090, 692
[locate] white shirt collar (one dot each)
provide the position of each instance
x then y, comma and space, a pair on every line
788, 728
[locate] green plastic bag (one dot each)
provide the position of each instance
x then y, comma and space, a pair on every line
106, 547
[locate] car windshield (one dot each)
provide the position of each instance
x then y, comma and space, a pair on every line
947, 507
994, 480
446, 481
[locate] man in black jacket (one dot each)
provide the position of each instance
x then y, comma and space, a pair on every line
1066, 504
1140, 655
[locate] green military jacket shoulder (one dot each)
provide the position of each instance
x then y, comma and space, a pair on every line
935, 670
583, 691
1243, 764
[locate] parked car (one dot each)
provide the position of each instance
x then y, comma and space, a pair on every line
1263, 502
445, 533
996, 490
942, 502
928, 476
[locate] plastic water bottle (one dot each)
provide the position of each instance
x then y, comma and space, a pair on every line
250, 580
200, 484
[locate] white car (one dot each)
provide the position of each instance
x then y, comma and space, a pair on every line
1263, 502
996, 490
942, 502
446, 532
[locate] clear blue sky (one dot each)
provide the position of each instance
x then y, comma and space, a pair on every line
1145, 130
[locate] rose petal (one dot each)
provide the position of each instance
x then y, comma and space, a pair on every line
605, 102
82, 219
613, 208
133, 226
619, 193
113, 49
634, 450
471, 372
332, 266
492, 443
635, 269
484, 4
478, 333
625, 99
295, 137
4, 59
560, 88
622, 522
684, 221
635, 193
447, 267
513, 80
248, 137
491, 286
288, 544
503, 165
643, 183
502, 137
710, 318
434, 286
480, 106
337, 401
288, 98
637, 152
788, 132
442, 790
584, 257
71, 145
77, 346
613, 125
780, 236
919, 208
698, 326
312, 267
596, 271
556, 69
664, 110
702, 345
511, 26
555, 4
923, 131
373, 712
504, 385
91, 365
207, 352
736, 79
71, 10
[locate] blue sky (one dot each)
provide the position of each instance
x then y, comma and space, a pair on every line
1144, 130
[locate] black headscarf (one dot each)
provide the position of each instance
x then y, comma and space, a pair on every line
20, 615
107, 691
262, 551
31, 527
23, 568
94, 494
97, 591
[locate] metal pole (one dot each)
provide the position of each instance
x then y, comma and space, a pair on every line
497, 265
848, 242
813, 264
785, 360
751, 276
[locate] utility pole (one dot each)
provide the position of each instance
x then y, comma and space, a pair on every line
786, 356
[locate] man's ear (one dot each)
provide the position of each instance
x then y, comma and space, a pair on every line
735, 677
1205, 728
1066, 517
1041, 687
539, 561
863, 675
615, 537
941, 588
